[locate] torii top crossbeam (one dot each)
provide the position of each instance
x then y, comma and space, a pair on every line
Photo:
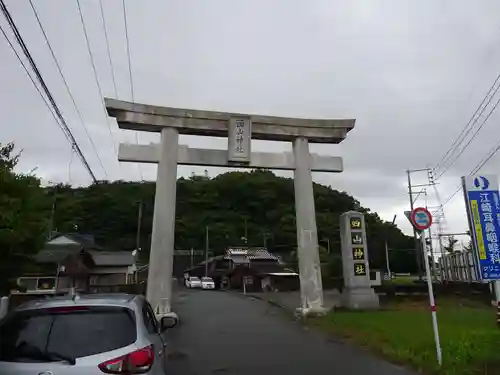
150, 118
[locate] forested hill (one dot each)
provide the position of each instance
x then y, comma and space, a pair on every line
226, 203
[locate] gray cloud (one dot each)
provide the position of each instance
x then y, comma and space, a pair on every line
411, 73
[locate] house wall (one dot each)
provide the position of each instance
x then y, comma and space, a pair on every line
101, 269
108, 279
64, 283
110, 275
185, 261
254, 263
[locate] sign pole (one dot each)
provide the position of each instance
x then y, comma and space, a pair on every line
432, 302
472, 231
421, 220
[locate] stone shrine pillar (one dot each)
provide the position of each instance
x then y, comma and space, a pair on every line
311, 289
357, 293
159, 291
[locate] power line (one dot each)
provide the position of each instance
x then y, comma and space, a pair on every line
63, 125
418, 195
107, 46
91, 55
478, 167
447, 200
47, 104
130, 72
492, 153
470, 124
460, 138
128, 51
474, 135
67, 86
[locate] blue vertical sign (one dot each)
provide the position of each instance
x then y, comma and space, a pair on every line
483, 208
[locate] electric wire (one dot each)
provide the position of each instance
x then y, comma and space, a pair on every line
474, 135
94, 69
131, 78
103, 18
476, 169
47, 104
468, 127
63, 125
128, 52
56, 61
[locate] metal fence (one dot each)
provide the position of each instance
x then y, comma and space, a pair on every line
457, 266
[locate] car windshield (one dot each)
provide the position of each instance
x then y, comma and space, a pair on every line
64, 334
194, 279
207, 279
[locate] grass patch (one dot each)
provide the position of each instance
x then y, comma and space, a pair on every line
402, 332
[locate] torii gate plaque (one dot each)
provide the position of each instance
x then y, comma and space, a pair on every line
240, 129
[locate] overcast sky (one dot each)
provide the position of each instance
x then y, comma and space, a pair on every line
410, 72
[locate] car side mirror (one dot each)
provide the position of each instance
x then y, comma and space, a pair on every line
167, 322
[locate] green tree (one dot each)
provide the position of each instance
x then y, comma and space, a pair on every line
450, 245
23, 217
259, 200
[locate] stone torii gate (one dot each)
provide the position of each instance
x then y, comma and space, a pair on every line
240, 129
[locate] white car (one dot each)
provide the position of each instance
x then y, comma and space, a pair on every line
207, 283
193, 282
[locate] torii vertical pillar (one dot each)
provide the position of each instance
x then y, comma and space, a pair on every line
311, 289
159, 289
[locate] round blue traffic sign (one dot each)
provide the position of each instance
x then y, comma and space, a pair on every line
421, 218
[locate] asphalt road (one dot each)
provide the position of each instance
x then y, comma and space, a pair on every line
223, 333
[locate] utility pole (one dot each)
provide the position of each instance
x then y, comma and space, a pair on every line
51, 222
419, 253
431, 249
139, 224
417, 242
387, 250
440, 242
327, 241
206, 251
